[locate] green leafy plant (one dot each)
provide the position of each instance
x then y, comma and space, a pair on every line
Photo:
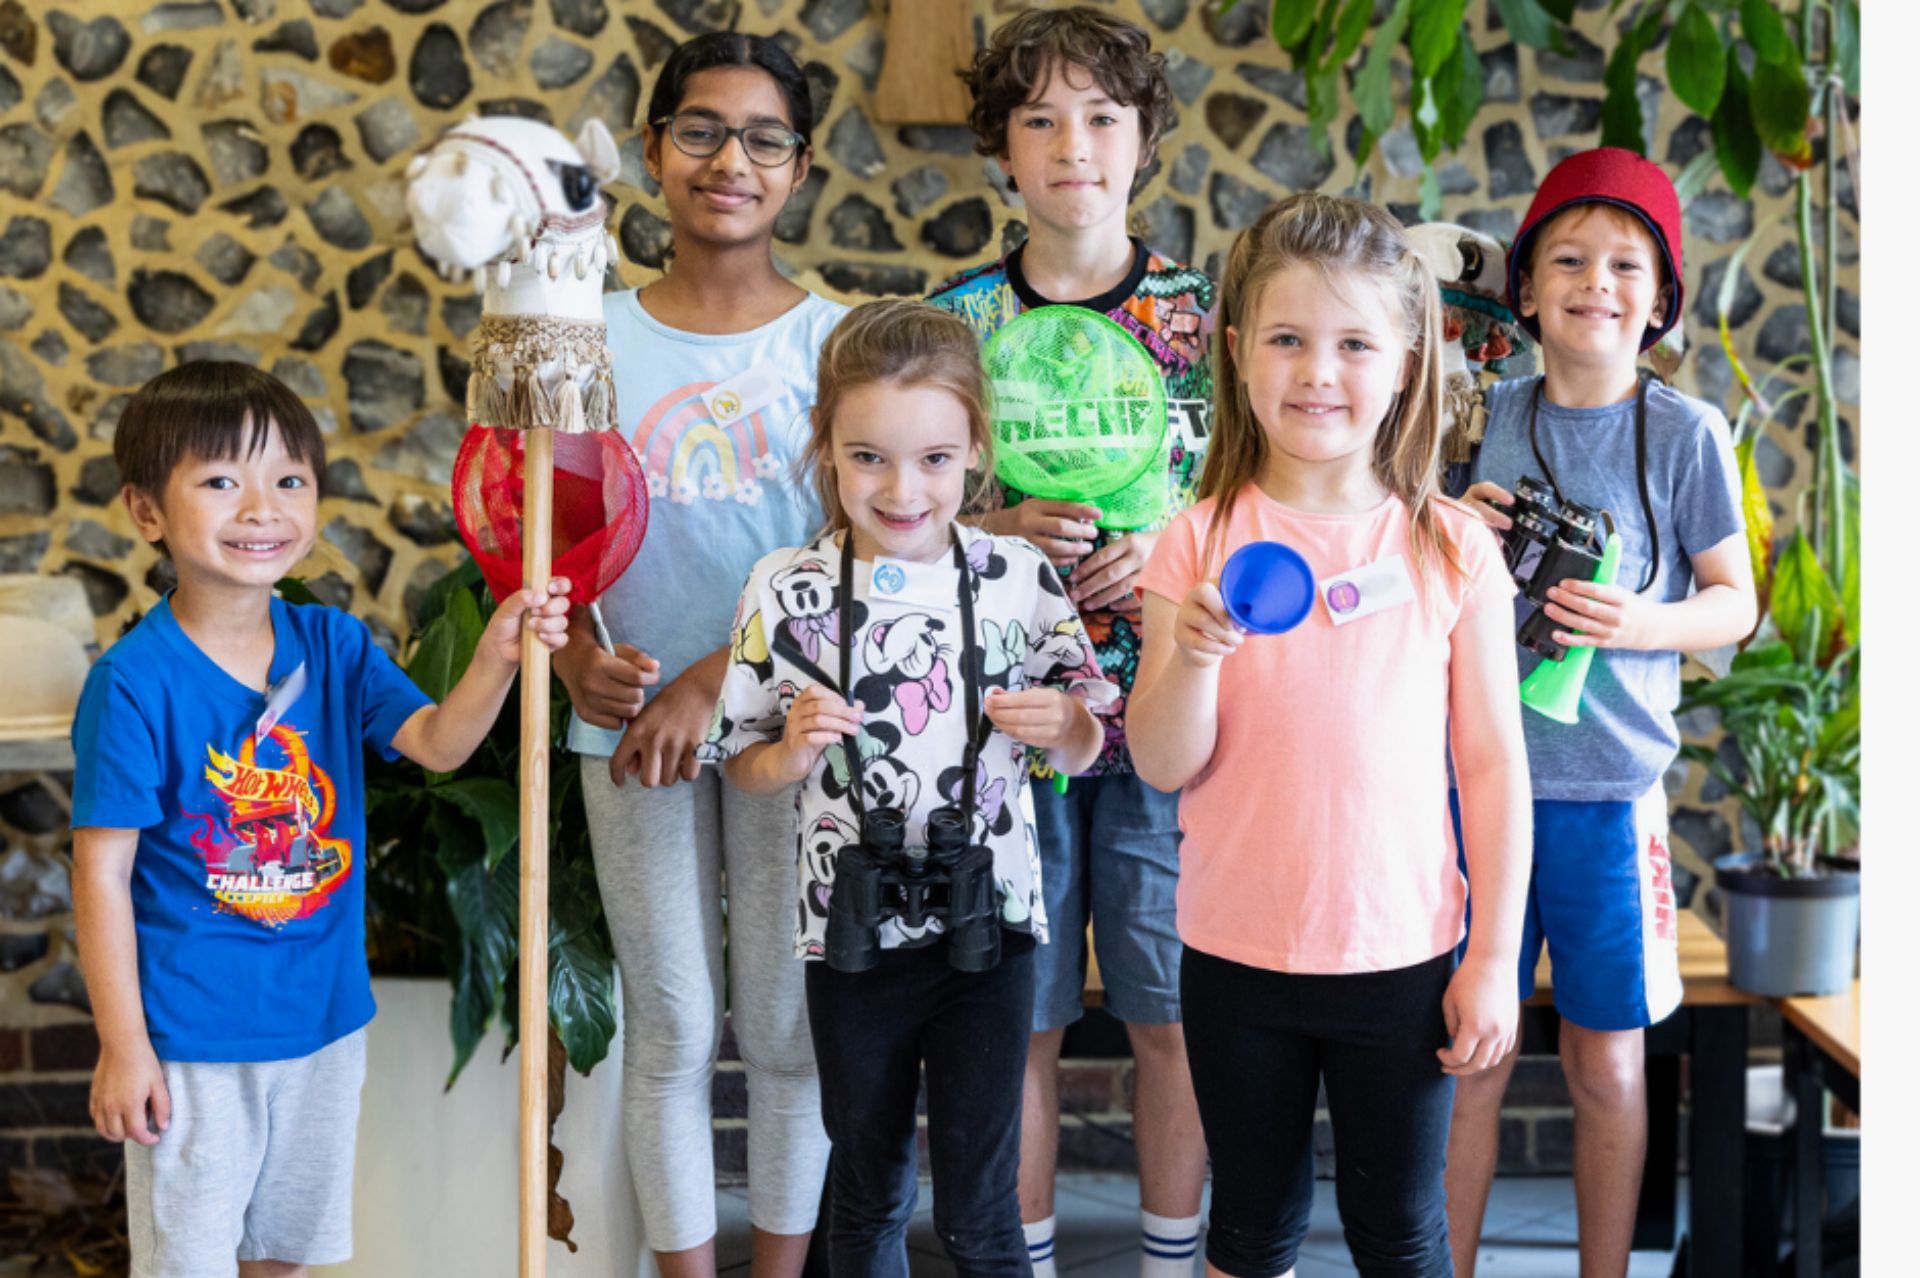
1770, 109
443, 866
1794, 721
1790, 703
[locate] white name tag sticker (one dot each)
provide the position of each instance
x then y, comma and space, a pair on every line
1363, 591
921, 585
744, 394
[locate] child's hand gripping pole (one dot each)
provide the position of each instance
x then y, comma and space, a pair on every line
1553, 689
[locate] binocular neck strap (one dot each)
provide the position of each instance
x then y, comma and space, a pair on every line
979, 727
1639, 464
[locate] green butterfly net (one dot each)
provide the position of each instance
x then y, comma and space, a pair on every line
1079, 414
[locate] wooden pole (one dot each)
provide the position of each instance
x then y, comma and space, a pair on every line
536, 532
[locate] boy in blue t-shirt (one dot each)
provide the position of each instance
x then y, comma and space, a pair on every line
1594, 275
219, 836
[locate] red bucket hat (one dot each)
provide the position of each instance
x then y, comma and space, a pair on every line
1607, 175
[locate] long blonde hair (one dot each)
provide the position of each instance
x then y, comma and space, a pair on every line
1339, 237
907, 343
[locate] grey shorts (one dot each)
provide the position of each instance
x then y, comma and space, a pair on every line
257, 1164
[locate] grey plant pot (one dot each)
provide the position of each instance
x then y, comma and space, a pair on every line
1789, 936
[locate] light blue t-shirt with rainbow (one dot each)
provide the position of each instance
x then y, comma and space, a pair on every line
719, 421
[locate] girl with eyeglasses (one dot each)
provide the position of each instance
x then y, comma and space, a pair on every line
714, 371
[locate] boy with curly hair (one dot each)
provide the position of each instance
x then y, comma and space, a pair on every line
1072, 104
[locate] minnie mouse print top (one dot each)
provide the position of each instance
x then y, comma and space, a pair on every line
908, 641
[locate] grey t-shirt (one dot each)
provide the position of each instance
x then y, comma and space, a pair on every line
1626, 735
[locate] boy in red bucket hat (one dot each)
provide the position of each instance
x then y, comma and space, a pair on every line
1594, 276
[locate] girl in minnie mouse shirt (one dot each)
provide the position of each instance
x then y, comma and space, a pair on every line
938, 653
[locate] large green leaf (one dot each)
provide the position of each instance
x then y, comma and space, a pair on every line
1846, 44
295, 591
1764, 29
1436, 30
463, 578
1373, 86
1528, 23
1801, 592
1780, 104
494, 804
447, 647
1843, 728
1425, 118
580, 988
1561, 9
1459, 88
486, 905
1759, 516
1292, 20
1734, 139
1355, 17
1621, 123
1323, 105
1696, 61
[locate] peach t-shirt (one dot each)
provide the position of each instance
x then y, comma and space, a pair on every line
1317, 837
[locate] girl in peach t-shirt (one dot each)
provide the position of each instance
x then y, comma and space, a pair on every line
1320, 898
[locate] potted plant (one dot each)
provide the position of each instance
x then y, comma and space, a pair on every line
1793, 905
442, 887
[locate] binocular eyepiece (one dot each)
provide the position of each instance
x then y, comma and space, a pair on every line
880, 878
1551, 541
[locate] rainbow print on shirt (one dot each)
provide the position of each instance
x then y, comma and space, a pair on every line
689, 457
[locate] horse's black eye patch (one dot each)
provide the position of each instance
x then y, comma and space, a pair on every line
579, 185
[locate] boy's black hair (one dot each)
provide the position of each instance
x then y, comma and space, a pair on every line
733, 49
203, 409
1020, 55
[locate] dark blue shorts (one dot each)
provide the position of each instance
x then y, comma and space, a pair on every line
1601, 901
1109, 851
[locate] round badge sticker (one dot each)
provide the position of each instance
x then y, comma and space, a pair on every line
888, 579
1343, 597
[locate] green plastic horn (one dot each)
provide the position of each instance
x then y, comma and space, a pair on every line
1554, 687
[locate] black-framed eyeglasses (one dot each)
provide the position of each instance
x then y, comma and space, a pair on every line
701, 136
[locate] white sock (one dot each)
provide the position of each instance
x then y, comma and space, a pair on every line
1040, 1246
1168, 1245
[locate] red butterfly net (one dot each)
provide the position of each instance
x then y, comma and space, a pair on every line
599, 507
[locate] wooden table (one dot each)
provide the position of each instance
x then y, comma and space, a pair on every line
1821, 1042
1710, 1029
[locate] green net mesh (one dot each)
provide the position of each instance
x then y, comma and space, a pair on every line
1079, 413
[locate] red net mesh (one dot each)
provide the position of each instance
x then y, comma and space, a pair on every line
599, 507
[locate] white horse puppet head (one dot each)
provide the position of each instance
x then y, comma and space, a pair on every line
515, 201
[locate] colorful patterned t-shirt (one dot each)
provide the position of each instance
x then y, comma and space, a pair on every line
908, 644
1168, 307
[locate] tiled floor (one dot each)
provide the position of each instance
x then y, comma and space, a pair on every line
1529, 1233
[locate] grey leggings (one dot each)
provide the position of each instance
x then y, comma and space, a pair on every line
665, 858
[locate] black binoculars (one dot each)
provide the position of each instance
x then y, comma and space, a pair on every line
880, 878
1552, 540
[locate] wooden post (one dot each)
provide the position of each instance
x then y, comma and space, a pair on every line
928, 42
536, 532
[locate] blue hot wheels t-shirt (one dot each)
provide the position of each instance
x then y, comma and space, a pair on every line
248, 893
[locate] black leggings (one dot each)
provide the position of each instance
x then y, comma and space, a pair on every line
871, 1032
1259, 1043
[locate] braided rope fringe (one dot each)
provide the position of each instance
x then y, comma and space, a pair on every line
541, 371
